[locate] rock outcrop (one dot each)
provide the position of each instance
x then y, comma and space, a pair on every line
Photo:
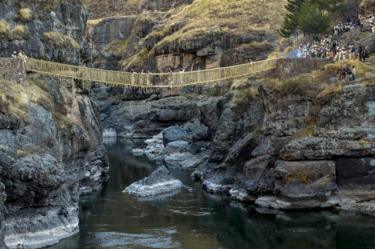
159, 182
51, 31
307, 152
146, 117
51, 147
293, 148
163, 36
256, 133
2, 210
50, 151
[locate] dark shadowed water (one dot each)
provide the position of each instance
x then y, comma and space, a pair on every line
192, 219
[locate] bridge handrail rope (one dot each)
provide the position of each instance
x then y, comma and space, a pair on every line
149, 80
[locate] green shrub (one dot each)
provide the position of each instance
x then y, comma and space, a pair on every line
242, 98
294, 86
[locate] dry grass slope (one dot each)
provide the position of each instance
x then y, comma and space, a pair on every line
4, 27
26, 13
233, 17
61, 40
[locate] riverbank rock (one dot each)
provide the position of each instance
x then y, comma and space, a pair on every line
178, 146
355, 180
159, 182
190, 132
154, 151
305, 179
145, 118
302, 185
2, 210
48, 160
219, 180
187, 160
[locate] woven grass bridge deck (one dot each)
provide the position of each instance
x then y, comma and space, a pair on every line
151, 80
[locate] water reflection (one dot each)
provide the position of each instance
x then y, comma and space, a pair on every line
192, 219
159, 239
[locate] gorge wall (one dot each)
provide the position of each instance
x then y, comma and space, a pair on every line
276, 143
51, 147
51, 31
182, 35
284, 145
287, 146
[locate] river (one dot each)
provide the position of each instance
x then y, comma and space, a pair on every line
193, 219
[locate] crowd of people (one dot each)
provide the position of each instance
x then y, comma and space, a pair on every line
329, 46
330, 49
341, 28
347, 73
370, 20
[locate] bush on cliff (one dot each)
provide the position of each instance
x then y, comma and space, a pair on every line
26, 13
4, 27
61, 40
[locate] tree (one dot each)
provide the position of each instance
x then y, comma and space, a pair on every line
317, 12
291, 20
312, 20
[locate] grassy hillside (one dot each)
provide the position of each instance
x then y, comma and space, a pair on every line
242, 29
238, 19
233, 16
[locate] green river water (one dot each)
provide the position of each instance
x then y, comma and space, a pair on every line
193, 219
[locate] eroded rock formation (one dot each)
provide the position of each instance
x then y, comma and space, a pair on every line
295, 149
51, 151
51, 31
51, 147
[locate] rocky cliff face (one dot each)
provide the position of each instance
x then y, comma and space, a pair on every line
185, 35
51, 147
288, 145
303, 151
51, 151
2, 210
52, 31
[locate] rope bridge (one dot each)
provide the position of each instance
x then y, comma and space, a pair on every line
148, 80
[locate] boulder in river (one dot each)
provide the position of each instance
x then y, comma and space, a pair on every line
186, 160
159, 182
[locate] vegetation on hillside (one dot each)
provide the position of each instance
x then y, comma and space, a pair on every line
215, 18
311, 17
61, 40
26, 13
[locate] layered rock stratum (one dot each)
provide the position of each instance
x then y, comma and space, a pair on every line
51, 147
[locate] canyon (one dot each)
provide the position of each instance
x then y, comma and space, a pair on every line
272, 141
